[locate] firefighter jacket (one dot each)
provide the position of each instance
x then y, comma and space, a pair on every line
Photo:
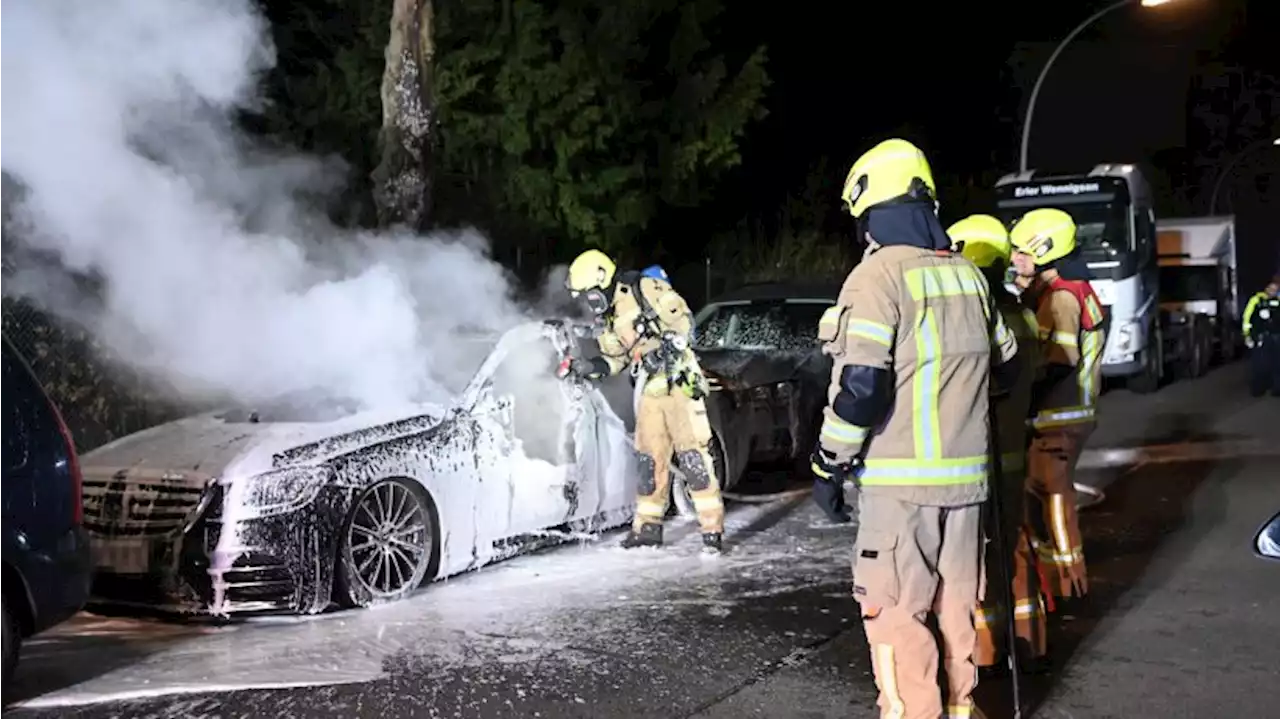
1262, 316
1012, 408
1072, 334
645, 309
913, 337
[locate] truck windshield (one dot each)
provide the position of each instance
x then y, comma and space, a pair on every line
1188, 283
1100, 226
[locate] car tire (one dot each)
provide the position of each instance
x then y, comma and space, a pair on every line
359, 576
681, 497
12, 642
1148, 380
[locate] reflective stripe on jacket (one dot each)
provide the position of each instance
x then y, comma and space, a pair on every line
926, 318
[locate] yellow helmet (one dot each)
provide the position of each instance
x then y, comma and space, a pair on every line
982, 239
891, 171
591, 278
1046, 234
591, 270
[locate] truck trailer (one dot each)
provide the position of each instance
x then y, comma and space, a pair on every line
1199, 290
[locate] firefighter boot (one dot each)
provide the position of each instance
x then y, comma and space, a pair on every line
711, 543
650, 535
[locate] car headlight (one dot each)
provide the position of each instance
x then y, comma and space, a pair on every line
272, 493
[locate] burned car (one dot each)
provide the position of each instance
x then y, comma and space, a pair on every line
294, 507
759, 348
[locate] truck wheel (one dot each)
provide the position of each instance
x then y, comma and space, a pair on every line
1148, 380
1206, 350
1228, 346
1192, 364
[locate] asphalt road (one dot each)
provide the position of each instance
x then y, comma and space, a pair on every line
1182, 623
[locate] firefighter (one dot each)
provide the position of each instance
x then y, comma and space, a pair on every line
983, 240
647, 327
910, 337
1262, 336
1064, 399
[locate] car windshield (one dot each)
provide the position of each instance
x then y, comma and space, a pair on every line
787, 324
1100, 226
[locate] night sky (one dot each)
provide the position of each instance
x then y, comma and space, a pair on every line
955, 81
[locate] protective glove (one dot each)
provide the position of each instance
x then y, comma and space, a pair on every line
1248, 342
575, 369
829, 496
826, 468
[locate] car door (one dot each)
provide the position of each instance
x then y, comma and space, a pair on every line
485, 491
608, 461
546, 479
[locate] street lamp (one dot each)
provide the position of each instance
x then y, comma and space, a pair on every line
1226, 171
1035, 90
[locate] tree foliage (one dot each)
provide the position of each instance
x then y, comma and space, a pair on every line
807, 240
576, 118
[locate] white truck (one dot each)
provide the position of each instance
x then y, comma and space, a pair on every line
1115, 230
1199, 291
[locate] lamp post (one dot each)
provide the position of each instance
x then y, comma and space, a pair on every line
1035, 90
1226, 171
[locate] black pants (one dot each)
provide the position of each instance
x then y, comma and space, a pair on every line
1264, 367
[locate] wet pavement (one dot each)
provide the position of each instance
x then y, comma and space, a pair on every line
1181, 623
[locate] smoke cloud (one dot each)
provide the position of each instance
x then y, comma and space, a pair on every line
215, 273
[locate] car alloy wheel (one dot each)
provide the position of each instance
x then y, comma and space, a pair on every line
389, 541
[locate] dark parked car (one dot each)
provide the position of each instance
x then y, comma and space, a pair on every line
46, 550
759, 348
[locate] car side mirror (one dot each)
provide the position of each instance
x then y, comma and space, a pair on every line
1267, 543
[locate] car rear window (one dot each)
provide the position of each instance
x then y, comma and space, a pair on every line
790, 324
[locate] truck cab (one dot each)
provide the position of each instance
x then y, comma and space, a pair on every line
1116, 233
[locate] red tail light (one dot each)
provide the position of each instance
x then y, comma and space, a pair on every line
73, 464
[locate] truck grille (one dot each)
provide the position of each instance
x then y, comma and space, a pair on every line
141, 504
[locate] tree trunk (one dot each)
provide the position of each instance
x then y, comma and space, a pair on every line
402, 180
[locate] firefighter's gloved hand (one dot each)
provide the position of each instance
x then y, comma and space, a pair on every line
826, 468
829, 496
1248, 342
575, 369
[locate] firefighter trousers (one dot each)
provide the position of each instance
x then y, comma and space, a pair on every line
674, 426
990, 620
909, 561
1052, 516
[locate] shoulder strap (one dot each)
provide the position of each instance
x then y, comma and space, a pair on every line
1091, 314
647, 313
